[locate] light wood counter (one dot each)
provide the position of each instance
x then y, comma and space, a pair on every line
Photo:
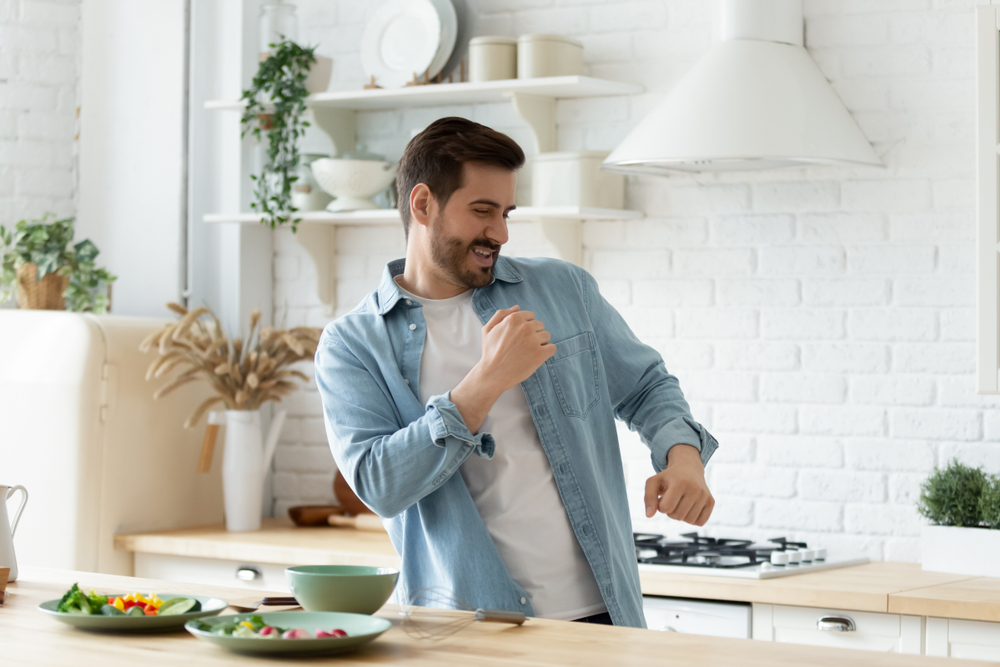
975, 599
860, 587
278, 541
29, 638
901, 588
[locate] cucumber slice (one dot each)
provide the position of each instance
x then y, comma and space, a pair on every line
108, 610
135, 611
177, 606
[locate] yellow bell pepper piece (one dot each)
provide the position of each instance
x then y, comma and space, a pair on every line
155, 601
248, 624
119, 604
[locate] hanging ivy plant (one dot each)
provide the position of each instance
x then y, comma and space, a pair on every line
275, 103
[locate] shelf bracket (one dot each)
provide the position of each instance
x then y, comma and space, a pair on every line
566, 235
540, 114
320, 241
338, 124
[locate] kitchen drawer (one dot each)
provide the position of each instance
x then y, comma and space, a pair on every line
953, 638
210, 571
874, 631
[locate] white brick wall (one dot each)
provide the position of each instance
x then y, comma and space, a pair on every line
39, 73
821, 320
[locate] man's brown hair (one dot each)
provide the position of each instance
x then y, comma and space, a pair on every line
436, 155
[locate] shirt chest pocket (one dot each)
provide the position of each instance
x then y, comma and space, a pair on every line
574, 374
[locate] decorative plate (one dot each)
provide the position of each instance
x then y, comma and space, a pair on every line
401, 39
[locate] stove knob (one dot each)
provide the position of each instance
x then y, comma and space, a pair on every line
794, 557
820, 554
766, 567
808, 555
779, 558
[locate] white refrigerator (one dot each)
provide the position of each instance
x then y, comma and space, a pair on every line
80, 430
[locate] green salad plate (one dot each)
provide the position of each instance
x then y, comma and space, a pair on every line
209, 607
360, 629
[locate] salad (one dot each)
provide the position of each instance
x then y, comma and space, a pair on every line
75, 601
256, 627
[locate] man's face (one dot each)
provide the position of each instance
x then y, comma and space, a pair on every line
467, 233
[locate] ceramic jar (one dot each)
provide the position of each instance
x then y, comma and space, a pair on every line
548, 55
492, 58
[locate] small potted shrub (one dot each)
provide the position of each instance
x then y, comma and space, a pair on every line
37, 260
963, 505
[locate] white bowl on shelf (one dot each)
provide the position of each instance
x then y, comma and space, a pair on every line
352, 182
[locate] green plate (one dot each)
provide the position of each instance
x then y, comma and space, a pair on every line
209, 607
360, 629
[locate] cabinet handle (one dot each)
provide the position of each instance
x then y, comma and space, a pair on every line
248, 573
836, 624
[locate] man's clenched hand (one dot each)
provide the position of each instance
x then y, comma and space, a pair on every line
680, 490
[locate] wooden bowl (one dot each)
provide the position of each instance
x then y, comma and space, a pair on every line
313, 515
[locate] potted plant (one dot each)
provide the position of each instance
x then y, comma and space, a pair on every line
963, 504
275, 105
47, 272
245, 374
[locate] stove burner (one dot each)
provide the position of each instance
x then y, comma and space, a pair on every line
711, 552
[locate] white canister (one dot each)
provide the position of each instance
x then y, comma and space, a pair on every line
548, 55
492, 58
574, 178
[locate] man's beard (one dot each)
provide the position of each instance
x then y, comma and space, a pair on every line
451, 256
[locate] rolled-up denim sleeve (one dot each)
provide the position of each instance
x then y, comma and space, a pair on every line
644, 395
390, 465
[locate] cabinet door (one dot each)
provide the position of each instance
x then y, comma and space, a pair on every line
973, 640
210, 571
892, 633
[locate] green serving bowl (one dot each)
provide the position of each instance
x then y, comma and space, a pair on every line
356, 589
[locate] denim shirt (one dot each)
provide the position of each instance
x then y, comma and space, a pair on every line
401, 456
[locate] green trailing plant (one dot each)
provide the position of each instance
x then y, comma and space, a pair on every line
45, 242
989, 502
951, 497
275, 103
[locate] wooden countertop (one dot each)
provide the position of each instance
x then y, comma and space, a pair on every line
901, 588
278, 541
29, 637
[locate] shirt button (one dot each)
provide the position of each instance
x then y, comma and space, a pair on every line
409, 303
406, 381
412, 327
523, 600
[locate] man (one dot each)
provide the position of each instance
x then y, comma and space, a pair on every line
470, 402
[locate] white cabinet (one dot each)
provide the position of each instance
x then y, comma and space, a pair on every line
211, 571
887, 633
954, 638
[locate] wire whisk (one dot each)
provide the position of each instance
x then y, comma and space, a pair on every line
433, 613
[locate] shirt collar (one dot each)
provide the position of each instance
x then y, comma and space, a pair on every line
389, 294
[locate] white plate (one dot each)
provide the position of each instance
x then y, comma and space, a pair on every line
400, 40
449, 33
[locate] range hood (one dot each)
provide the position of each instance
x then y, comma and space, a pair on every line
756, 100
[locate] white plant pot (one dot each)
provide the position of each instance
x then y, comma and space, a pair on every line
972, 551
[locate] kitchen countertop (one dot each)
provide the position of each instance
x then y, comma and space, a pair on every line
29, 637
901, 588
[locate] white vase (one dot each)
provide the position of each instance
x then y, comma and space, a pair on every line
244, 466
957, 550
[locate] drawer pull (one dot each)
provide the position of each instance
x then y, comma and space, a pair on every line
836, 624
248, 573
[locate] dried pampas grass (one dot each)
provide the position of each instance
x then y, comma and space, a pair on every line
245, 375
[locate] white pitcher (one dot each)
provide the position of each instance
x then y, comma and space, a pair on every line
7, 528
245, 462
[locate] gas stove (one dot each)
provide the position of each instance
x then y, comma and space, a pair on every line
725, 557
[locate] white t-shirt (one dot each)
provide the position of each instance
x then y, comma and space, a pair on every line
514, 491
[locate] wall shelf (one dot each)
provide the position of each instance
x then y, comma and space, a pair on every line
533, 100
